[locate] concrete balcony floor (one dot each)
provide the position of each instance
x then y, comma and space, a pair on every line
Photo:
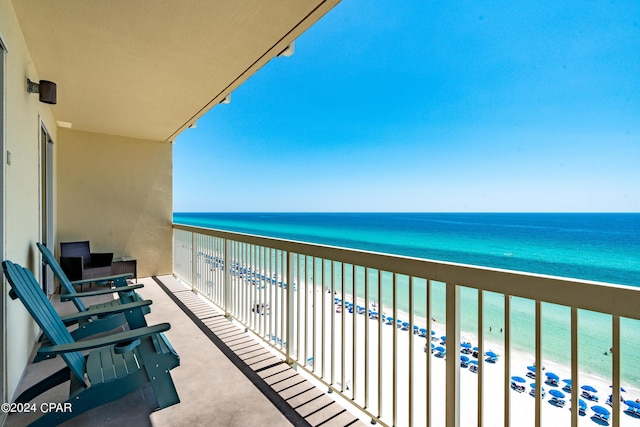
226, 376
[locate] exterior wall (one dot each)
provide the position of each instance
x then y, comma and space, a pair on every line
23, 113
116, 192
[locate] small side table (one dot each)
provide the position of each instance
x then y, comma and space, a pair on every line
125, 264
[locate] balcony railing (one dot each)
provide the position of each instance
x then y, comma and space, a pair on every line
334, 313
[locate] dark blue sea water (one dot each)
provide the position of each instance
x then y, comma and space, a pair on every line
592, 246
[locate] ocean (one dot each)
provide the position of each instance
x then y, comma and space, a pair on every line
602, 247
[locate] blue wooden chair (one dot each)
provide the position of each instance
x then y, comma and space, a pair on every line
97, 322
94, 324
117, 365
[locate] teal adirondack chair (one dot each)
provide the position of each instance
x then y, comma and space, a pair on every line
94, 324
120, 364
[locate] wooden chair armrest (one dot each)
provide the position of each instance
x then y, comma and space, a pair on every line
67, 297
72, 318
120, 337
112, 278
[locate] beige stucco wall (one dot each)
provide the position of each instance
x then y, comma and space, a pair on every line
116, 192
111, 190
23, 115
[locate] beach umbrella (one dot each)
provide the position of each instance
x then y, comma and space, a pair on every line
582, 404
474, 362
632, 404
518, 379
443, 338
423, 331
621, 389
601, 410
567, 381
532, 368
465, 345
552, 376
556, 393
440, 349
589, 389
433, 332
464, 358
491, 354
475, 348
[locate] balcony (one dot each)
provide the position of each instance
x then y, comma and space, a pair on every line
225, 377
245, 308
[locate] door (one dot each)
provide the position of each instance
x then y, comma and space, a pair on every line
46, 204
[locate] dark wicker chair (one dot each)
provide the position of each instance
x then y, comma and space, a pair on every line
79, 263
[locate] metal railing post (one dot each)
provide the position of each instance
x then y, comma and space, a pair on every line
480, 417
453, 360
226, 288
615, 392
538, 357
290, 306
193, 262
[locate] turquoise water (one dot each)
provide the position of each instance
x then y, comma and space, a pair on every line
600, 247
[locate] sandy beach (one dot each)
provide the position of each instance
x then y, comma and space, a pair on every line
522, 403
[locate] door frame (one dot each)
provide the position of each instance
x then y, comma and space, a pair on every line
46, 203
3, 161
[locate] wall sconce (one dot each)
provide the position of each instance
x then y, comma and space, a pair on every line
46, 89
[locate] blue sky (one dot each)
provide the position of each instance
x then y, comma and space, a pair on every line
431, 106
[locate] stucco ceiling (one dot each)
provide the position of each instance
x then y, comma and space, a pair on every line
148, 69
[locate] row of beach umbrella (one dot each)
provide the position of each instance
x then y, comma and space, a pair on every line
558, 400
404, 325
588, 391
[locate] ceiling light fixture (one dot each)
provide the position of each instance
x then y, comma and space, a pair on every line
288, 51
